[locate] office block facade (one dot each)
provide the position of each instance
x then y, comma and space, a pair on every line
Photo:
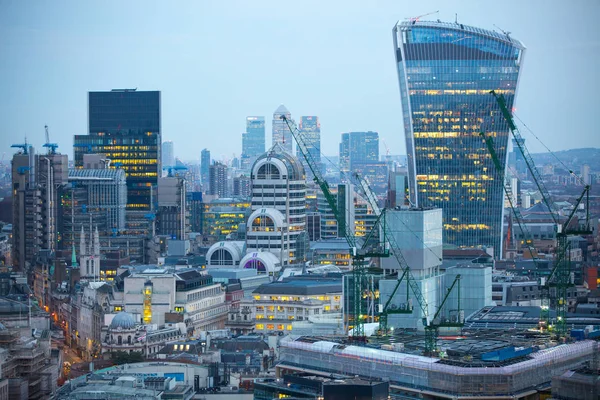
253, 141
446, 72
218, 180
125, 126
168, 154
205, 170
310, 132
358, 148
281, 131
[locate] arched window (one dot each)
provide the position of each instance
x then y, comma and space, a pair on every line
221, 257
129, 339
263, 224
268, 171
119, 340
255, 264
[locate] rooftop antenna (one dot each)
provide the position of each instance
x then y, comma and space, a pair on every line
456, 18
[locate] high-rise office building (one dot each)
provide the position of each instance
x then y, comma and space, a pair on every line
358, 148
253, 141
125, 126
278, 220
204, 170
96, 197
446, 72
218, 180
172, 215
38, 181
168, 154
242, 186
310, 131
281, 131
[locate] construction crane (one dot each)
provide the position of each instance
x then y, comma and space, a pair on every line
358, 253
560, 275
432, 328
24, 146
430, 325
404, 268
413, 20
51, 146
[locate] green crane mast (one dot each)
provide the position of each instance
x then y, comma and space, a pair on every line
560, 275
431, 326
358, 253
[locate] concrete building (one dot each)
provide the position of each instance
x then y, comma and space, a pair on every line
242, 186
38, 182
98, 194
331, 252
161, 294
344, 196
218, 180
278, 221
124, 333
276, 305
145, 381
172, 215
168, 154
418, 233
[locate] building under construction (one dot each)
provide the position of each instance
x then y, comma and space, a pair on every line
476, 364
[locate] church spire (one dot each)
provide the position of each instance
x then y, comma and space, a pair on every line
74, 258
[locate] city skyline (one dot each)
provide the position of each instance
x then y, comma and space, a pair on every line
62, 52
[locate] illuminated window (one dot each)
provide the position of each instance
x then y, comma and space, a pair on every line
260, 327
270, 327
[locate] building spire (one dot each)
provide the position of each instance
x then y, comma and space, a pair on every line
74, 257
96, 242
82, 249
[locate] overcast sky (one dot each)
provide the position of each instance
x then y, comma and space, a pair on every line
216, 62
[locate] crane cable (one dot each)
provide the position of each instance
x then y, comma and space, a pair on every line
421, 240
550, 151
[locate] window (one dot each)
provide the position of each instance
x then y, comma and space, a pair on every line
270, 327
260, 327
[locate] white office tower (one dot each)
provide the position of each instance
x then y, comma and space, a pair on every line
418, 234
276, 229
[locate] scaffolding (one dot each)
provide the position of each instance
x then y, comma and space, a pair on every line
417, 373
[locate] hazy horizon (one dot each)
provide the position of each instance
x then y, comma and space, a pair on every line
217, 62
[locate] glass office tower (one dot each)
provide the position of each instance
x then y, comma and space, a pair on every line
124, 125
310, 131
253, 141
445, 72
281, 131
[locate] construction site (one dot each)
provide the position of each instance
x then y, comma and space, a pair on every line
485, 364
420, 343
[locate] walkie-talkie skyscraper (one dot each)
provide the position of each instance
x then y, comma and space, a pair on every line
445, 72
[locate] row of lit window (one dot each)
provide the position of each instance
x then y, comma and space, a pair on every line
466, 227
435, 92
462, 178
271, 327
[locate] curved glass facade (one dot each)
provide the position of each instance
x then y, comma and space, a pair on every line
445, 73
